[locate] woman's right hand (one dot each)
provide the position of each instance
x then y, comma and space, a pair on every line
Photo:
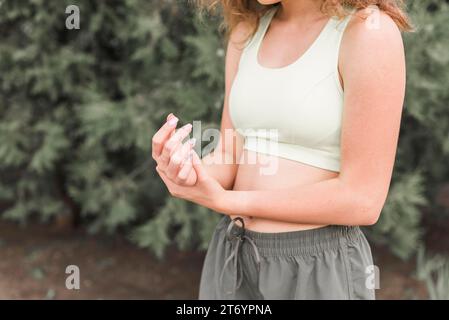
171, 155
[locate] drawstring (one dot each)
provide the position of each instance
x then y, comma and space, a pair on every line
240, 238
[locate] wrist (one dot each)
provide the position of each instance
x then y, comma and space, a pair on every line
223, 202
233, 202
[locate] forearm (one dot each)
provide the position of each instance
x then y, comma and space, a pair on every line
327, 202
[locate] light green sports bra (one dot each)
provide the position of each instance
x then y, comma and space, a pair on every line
292, 112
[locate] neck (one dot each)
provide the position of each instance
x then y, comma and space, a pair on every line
300, 9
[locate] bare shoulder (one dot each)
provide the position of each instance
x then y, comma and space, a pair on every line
372, 31
371, 43
236, 44
239, 35
371, 22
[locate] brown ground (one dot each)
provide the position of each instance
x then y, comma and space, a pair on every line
33, 262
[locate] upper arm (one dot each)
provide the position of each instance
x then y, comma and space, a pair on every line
233, 53
372, 65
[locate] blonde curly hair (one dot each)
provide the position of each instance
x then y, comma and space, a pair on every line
250, 11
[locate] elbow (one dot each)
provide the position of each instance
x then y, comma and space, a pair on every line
366, 201
370, 219
368, 209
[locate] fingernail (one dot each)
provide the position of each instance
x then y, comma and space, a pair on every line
192, 142
173, 121
169, 116
187, 158
187, 127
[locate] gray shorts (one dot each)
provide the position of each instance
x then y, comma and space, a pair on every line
324, 263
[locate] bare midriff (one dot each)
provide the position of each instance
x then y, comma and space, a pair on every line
269, 173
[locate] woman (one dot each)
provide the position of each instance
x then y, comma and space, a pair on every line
330, 80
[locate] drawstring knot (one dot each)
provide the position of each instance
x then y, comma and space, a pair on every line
237, 240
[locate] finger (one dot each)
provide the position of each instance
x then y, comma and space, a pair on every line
172, 188
198, 166
185, 171
163, 176
170, 116
177, 159
172, 144
162, 135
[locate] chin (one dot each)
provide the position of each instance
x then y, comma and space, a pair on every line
268, 2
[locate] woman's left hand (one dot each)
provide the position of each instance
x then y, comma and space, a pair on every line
206, 191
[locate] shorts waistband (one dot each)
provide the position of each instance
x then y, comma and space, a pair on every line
300, 242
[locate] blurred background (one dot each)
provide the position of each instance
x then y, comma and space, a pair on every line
78, 108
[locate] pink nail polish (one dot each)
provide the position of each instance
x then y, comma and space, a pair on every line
192, 142
187, 127
173, 121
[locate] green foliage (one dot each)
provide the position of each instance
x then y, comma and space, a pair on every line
179, 222
400, 223
434, 271
78, 109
